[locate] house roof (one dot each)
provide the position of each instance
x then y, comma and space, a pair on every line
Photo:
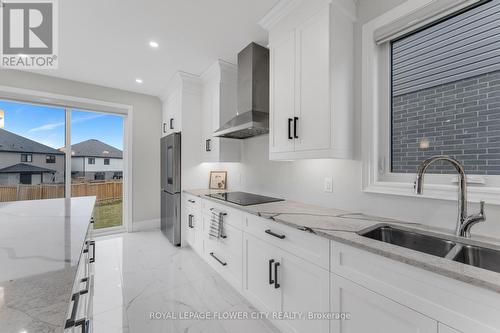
15, 143
95, 148
25, 168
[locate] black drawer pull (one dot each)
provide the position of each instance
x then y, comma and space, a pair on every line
171, 123
271, 261
191, 201
87, 286
190, 221
220, 261
269, 232
290, 120
295, 121
71, 321
276, 284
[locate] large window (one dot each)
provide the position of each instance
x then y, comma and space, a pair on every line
431, 86
445, 81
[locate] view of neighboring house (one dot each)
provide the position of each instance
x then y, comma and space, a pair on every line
96, 160
24, 161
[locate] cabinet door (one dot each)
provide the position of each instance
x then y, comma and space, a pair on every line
282, 67
305, 288
371, 312
257, 272
313, 109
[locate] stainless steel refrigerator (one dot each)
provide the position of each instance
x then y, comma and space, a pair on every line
171, 187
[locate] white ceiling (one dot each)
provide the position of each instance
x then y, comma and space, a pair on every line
106, 42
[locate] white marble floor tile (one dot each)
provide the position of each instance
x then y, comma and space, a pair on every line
142, 273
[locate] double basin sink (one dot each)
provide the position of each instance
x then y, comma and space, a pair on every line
478, 256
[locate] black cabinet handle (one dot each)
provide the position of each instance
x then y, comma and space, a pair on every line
271, 281
71, 321
171, 123
207, 145
269, 232
220, 261
87, 286
191, 201
290, 129
190, 221
164, 128
295, 121
89, 244
276, 284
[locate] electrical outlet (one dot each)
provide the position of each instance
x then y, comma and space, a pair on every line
328, 185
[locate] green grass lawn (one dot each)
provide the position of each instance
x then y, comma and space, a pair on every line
108, 214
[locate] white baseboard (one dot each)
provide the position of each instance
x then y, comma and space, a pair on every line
145, 225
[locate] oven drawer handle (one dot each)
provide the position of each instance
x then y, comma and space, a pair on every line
269, 232
223, 263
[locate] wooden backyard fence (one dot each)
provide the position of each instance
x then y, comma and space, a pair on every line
104, 191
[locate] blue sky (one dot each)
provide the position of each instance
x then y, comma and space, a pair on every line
45, 124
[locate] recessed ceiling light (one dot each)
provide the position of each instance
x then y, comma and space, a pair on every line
154, 44
138, 80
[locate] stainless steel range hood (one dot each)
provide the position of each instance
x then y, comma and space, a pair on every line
252, 116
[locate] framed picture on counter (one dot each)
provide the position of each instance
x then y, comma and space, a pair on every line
218, 180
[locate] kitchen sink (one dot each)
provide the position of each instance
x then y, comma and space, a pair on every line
479, 256
411, 240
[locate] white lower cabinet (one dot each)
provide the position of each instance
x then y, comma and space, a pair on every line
258, 272
280, 282
371, 312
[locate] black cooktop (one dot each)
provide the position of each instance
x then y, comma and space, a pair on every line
243, 198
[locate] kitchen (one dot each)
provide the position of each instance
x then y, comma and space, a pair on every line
300, 166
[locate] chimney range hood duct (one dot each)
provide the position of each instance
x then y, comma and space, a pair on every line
252, 116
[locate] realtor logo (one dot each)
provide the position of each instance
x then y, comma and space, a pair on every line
29, 34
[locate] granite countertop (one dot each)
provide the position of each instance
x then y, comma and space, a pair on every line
40, 246
343, 227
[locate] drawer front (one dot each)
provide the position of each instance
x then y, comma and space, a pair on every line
307, 246
228, 263
233, 216
451, 302
192, 202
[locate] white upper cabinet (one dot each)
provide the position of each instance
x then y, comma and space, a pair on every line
218, 105
181, 97
311, 73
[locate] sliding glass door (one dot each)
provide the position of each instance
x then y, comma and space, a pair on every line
35, 141
97, 163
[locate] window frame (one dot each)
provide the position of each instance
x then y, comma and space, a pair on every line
50, 159
107, 161
27, 160
91, 160
377, 117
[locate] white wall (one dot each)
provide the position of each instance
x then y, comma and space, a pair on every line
146, 131
303, 180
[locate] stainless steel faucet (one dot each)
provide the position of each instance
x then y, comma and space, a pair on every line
464, 221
